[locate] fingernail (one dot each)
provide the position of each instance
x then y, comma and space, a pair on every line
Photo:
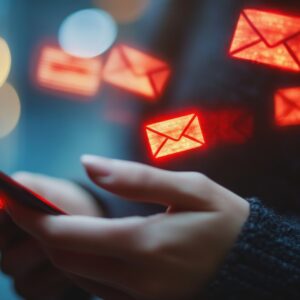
98, 167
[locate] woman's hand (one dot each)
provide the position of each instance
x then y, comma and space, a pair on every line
23, 257
167, 256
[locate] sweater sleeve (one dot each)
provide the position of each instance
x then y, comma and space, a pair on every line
265, 261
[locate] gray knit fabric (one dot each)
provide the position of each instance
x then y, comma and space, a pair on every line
265, 261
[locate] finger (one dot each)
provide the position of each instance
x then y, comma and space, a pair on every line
22, 258
100, 290
44, 282
50, 188
117, 273
68, 195
112, 237
10, 234
144, 183
36, 182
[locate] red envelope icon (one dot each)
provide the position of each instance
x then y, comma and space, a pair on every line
59, 71
175, 135
234, 126
287, 107
136, 72
268, 38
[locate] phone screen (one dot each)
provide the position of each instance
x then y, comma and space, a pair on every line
10, 189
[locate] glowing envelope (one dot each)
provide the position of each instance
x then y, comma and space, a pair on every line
60, 71
88, 33
5, 61
175, 135
10, 109
136, 72
268, 38
233, 126
287, 107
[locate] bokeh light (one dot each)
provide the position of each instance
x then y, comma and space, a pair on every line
268, 38
60, 71
10, 109
5, 61
88, 33
124, 11
137, 72
287, 107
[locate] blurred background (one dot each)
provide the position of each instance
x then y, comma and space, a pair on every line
47, 130
46, 124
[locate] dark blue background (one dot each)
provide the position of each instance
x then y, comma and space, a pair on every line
54, 130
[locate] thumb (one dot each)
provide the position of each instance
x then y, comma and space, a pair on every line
38, 183
67, 195
176, 190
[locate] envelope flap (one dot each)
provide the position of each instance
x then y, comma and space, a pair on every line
288, 98
173, 128
194, 131
291, 93
140, 63
273, 27
244, 35
243, 123
115, 63
156, 140
159, 79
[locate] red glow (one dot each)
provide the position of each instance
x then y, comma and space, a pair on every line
59, 71
175, 135
2, 202
268, 38
287, 107
136, 72
232, 126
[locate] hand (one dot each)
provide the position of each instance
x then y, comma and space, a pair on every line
169, 256
23, 258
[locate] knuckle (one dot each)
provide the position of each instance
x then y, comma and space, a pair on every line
195, 183
50, 235
198, 178
148, 245
136, 244
133, 240
144, 176
138, 180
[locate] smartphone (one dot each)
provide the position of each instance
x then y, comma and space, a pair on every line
9, 188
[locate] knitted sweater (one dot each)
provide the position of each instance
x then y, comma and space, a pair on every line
265, 261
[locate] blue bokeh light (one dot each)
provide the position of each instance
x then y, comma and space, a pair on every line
88, 33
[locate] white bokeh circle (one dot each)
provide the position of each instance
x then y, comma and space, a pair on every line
88, 33
10, 109
5, 61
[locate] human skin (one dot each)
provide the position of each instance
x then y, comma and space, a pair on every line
169, 256
23, 257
